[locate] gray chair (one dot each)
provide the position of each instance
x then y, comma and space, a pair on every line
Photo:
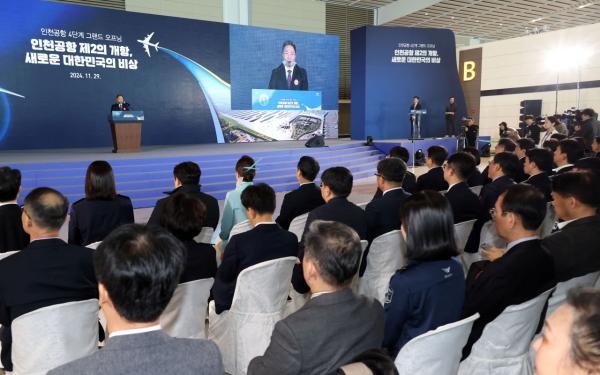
185, 315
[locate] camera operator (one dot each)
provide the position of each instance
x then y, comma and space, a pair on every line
471, 131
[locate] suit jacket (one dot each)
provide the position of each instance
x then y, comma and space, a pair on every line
432, 180
93, 219
521, 274
264, 242
588, 130
383, 214
115, 107
409, 184
476, 179
298, 202
543, 183
465, 204
212, 205
278, 79
12, 235
150, 353
533, 132
521, 175
575, 249
563, 170
326, 333
201, 262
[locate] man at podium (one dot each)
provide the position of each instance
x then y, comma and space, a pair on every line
120, 105
288, 75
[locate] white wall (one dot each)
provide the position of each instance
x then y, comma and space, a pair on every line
521, 62
299, 15
209, 10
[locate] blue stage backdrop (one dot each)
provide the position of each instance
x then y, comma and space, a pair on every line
390, 65
61, 66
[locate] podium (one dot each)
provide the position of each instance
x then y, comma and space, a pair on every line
126, 130
415, 122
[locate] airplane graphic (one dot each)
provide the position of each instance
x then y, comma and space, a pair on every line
147, 44
11, 93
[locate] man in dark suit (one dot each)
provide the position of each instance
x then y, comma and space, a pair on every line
450, 116
304, 199
475, 178
590, 127
336, 186
138, 268
266, 241
471, 133
538, 164
503, 145
409, 184
522, 273
48, 271
465, 204
523, 145
566, 154
532, 129
288, 75
120, 105
335, 325
12, 235
434, 178
187, 180
575, 248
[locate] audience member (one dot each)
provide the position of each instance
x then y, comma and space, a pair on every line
138, 268
522, 273
266, 241
476, 178
596, 146
46, 272
183, 215
335, 325
464, 203
559, 137
549, 128
12, 235
434, 178
532, 129
503, 145
506, 132
304, 199
371, 362
551, 145
409, 183
102, 210
588, 164
566, 154
538, 165
575, 248
570, 342
560, 127
429, 291
187, 180
233, 211
523, 145
590, 126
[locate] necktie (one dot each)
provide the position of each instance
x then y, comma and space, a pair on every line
289, 78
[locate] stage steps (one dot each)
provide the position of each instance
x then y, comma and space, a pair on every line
145, 180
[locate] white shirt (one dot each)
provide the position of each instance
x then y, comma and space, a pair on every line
562, 224
396, 188
306, 183
135, 331
322, 293
451, 186
516, 242
264, 222
561, 167
45, 238
7, 203
546, 136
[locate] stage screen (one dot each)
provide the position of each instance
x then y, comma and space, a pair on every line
62, 65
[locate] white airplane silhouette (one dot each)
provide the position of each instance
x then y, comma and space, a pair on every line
147, 44
11, 93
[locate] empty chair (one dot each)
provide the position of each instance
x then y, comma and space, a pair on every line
54, 335
386, 256
562, 289
205, 235
93, 245
240, 227
548, 224
504, 344
462, 232
297, 225
476, 189
244, 331
7, 254
185, 315
436, 352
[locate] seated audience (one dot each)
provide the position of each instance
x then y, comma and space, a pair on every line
336, 186
183, 215
538, 165
506, 132
429, 291
559, 137
464, 203
522, 273
434, 178
335, 325
560, 127
532, 130
588, 164
102, 210
503, 145
266, 241
575, 248
46, 272
549, 130
551, 145
566, 154
476, 178
570, 342
304, 199
12, 235
596, 146
523, 145
186, 177
371, 362
409, 184
233, 211
137, 269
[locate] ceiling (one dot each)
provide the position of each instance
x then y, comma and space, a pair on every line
493, 19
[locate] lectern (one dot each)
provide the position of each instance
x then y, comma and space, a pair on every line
126, 129
415, 121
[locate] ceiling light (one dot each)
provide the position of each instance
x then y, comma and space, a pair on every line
585, 5
537, 19
452, 17
426, 14
500, 24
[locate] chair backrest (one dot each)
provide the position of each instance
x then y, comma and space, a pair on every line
476, 189
241, 227
437, 352
548, 224
356, 279
297, 225
93, 245
489, 236
562, 289
52, 336
205, 235
264, 287
185, 315
462, 232
6, 254
362, 205
386, 255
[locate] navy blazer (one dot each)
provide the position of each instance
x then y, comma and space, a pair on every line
432, 180
278, 79
12, 235
383, 214
298, 202
476, 178
212, 205
201, 262
409, 184
115, 107
543, 183
464, 203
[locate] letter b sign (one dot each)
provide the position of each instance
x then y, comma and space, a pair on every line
468, 70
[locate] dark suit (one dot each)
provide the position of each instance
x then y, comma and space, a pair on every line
264, 242
409, 184
521, 175
326, 333
471, 135
93, 219
465, 204
45, 273
533, 132
542, 182
383, 214
587, 132
476, 178
432, 180
12, 235
117, 107
575, 249
279, 80
201, 262
563, 170
212, 205
521, 274
298, 202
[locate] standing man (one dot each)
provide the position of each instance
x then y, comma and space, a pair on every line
120, 105
450, 117
288, 75
415, 118
471, 133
